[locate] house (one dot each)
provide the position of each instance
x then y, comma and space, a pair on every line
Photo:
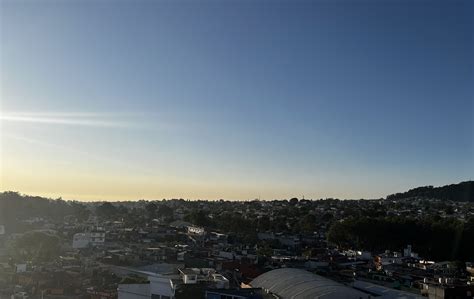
447, 291
160, 287
21, 268
189, 275
134, 291
84, 240
208, 275
195, 230
80, 240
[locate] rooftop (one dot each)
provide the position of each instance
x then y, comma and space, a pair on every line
296, 284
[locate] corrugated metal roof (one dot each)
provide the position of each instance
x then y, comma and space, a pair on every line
384, 292
290, 283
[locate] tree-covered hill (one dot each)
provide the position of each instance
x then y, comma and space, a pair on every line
463, 191
439, 239
15, 208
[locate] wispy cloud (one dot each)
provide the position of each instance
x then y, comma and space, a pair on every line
67, 118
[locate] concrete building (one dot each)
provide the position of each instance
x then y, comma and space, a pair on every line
208, 275
160, 287
195, 230
84, 240
133, 291
189, 276
165, 286
80, 240
444, 291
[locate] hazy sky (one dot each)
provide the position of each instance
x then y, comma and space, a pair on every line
235, 99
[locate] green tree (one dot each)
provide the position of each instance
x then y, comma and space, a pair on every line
36, 247
150, 209
198, 218
308, 223
165, 211
106, 210
293, 201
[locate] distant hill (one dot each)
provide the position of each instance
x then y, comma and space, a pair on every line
16, 207
463, 191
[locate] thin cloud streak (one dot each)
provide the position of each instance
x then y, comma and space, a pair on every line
151, 121
57, 114
77, 119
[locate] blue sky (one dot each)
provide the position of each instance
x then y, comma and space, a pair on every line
235, 99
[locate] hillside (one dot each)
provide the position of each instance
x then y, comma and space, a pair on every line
15, 207
463, 191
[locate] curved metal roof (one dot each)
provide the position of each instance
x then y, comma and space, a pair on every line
290, 283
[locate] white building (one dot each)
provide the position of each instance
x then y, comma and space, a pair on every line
97, 237
80, 240
209, 275
190, 276
195, 230
84, 240
220, 282
164, 287
158, 288
20, 295
21, 268
161, 288
134, 291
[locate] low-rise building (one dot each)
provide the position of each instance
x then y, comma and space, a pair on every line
84, 240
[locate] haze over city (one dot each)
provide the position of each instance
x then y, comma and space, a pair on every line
234, 99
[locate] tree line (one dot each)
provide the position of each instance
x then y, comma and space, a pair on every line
15, 207
438, 239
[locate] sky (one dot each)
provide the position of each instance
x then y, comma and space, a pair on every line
238, 99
